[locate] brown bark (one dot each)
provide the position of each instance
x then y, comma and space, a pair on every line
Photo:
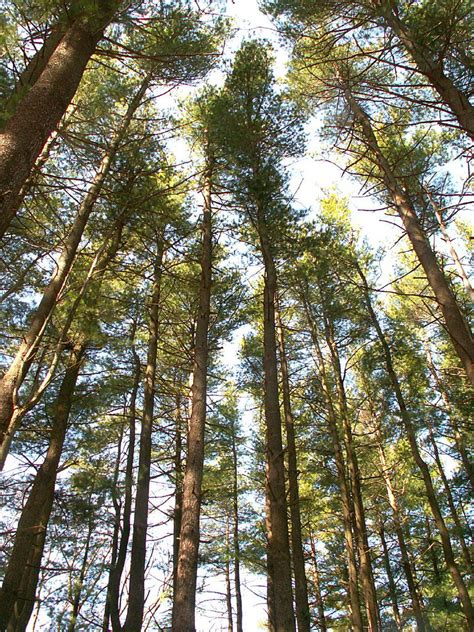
186, 576
17, 596
422, 465
278, 537
392, 588
431, 68
301, 589
366, 574
228, 592
18, 369
42, 107
458, 435
317, 587
456, 326
235, 516
346, 500
136, 589
408, 568
178, 493
118, 564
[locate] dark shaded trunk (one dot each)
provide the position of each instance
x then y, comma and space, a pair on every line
355, 614
301, 589
422, 465
456, 326
186, 575
39, 112
18, 369
116, 571
278, 537
17, 596
136, 589
228, 585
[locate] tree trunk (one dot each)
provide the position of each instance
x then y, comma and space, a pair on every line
458, 435
346, 500
186, 574
116, 571
228, 592
456, 326
454, 98
235, 511
278, 538
16, 373
17, 596
409, 570
39, 112
317, 587
178, 493
422, 465
301, 589
136, 590
366, 574
392, 588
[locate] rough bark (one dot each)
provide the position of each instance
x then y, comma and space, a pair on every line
301, 589
17, 596
455, 323
39, 112
278, 537
18, 369
136, 589
186, 575
346, 500
422, 465
431, 68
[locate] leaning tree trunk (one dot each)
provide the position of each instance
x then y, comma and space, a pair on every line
317, 587
355, 614
392, 588
186, 573
456, 326
17, 596
18, 369
301, 589
136, 589
278, 537
431, 68
42, 107
422, 465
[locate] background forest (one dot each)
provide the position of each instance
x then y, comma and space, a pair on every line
231, 397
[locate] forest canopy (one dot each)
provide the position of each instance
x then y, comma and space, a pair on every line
236, 349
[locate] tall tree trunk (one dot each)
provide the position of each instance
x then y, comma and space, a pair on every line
178, 489
301, 589
346, 500
317, 587
235, 517
17, 371
422, 465
39, 112
392, 588
453, 419
186, 575
278, 537
366, 574
409, 570
228, 592
116, 571
449, 497
17, 595
431, 68
456, 326
136, 589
